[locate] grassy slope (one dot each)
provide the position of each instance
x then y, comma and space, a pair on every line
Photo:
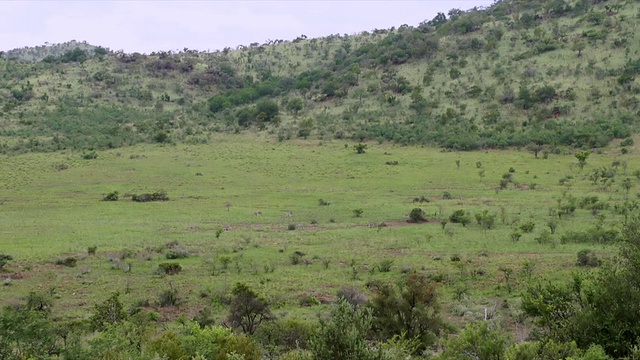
49, 214
137, 87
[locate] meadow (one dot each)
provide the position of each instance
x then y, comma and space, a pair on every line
246, 208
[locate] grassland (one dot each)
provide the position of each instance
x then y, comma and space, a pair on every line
49, 214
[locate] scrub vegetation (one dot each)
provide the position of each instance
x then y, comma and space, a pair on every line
318, 199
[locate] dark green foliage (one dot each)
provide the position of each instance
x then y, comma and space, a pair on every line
90, 155
4, 259
344, 335
247, 310
357, 212
26, 333
460, 217
323, 202
169, 297
69, 261
480, 340
410, 308
280, 336
417, 215
596, 235
527, 227
112, 196
360, 148
587, 257
169, 268
109, 312
156, 196
604, 310
485, 219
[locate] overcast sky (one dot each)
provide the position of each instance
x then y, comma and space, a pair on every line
147, 26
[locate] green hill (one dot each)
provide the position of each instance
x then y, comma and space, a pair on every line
543, 74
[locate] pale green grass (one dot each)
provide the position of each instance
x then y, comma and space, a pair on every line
47, 214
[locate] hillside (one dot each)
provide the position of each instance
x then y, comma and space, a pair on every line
520, 73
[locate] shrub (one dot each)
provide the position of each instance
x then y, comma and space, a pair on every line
156, 196
91, 250
357, 212
446, 196
296, 258
385, 265
69, 261
291, 227
169, 297
417, 216
421, 199
4, 258
352, 295
360, 148
587, 257
323, 202
90, 155
112, 196
460, 217
177, 253
110, 311
169, 268
527, 227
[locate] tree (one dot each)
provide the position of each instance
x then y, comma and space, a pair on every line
582, 158
248, 309
267, 110
410, 308
295, 105
578, 45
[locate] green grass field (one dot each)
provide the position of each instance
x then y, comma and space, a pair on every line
48, 214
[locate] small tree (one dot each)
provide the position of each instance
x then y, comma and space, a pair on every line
357, 212
248, 309
582, 158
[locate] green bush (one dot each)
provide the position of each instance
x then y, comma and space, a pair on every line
169, 268
588, 257
417, 216
112, 196
156, 196
460, 217
4, 259
68, 261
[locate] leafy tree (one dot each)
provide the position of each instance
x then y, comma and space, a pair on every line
582, 157
410, 308
269, 108
295, 105
247, 309
26, 334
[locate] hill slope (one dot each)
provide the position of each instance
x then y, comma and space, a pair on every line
520, 73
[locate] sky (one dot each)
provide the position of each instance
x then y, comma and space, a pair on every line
146, 26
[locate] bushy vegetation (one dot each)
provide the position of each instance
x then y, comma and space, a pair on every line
540, 75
